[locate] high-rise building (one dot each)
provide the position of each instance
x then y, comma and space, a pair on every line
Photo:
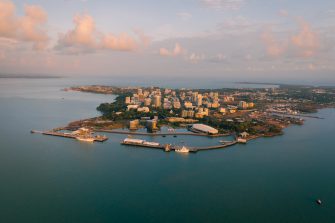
188, 104
194, 96
167, 105
206, 111
184, 113
176, 104
127, 100
190, 113
199, 99
243, 105
157, 101
147, 101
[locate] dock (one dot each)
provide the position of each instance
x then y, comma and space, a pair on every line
169, 147
69, 135
298, 115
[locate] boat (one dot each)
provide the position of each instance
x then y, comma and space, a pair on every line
318, 201
182, 150
85, 139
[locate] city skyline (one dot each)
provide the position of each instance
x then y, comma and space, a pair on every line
242, 39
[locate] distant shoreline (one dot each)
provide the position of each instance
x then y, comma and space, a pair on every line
28, 77
283, 85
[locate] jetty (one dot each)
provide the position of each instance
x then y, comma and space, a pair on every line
169, 147
297, 115
69, 135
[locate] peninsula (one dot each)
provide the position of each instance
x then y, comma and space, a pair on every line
244, 113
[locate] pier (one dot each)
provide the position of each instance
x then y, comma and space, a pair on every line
169, 147
69, 135
297, 115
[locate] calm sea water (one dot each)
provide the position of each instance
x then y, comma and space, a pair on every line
50, 179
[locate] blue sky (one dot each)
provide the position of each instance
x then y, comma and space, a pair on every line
242, 39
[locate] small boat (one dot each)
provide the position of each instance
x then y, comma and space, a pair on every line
182, 150
175, 136
318, 201
163, 135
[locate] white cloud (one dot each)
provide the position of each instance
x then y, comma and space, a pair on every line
224, 4
307, 40
85, 38
184, 15
28, 28
274, 47
178, 50
195, 57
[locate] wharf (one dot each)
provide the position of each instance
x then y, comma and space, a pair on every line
221, 146
68, 135
171, 148
298, 115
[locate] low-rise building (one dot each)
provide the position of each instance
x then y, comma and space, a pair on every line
204, 129
129, 107
133, 125
143, 109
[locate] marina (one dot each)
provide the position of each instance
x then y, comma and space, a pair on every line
86, 135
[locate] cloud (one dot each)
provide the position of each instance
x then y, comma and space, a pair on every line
28, 28
2, 55
85, 38
184, 15
122, 42
219, 58
195, 58
32, 26
306, 41
283, 13
83, 33
223, 4
178, 50
144, 39
274, 48
8, 21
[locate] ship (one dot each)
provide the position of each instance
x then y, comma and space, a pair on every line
182, 150
140, 142
85, 138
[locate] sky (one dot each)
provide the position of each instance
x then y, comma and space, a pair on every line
222, 39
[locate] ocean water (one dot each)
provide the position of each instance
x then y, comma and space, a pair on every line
51, 179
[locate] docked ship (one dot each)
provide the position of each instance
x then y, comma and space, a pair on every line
85, 138
140, 142
182, 150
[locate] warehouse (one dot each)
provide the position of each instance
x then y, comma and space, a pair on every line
201, 128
